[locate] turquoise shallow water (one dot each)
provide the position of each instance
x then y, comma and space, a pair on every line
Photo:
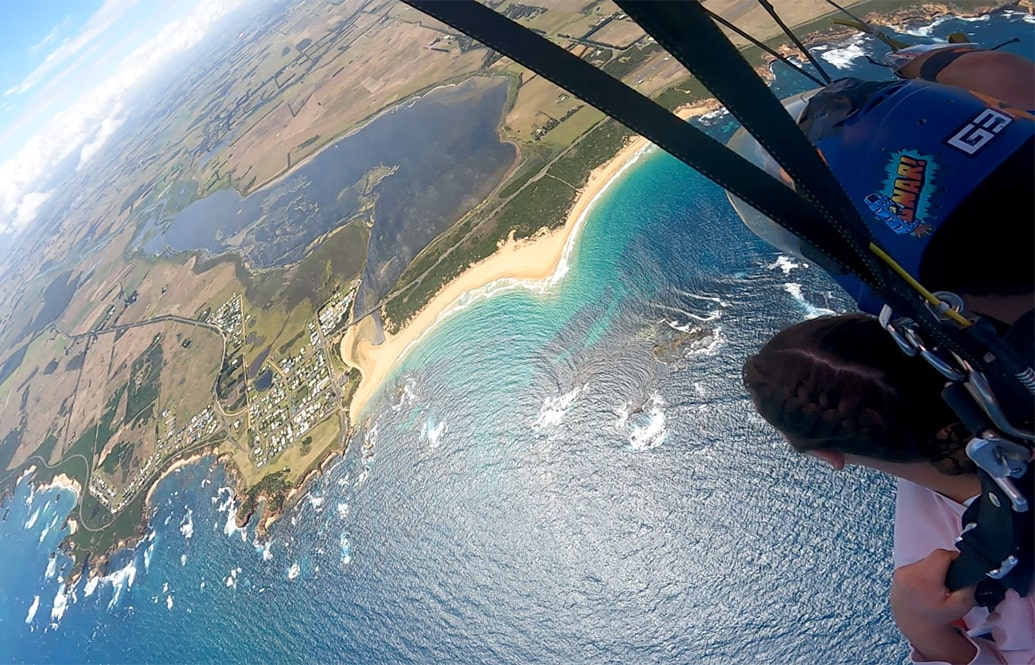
536, 486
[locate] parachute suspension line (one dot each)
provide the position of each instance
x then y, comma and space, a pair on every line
794, 38
818, 211
765, 47
686, 32
804, 216
939, 305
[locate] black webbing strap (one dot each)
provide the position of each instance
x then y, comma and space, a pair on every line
995, 533
818, 212
801, 216
683, 28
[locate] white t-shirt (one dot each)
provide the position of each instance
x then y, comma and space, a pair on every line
926, 521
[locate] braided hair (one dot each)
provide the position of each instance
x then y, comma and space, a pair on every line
840, 383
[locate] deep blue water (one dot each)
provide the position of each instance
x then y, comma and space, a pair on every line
540, 487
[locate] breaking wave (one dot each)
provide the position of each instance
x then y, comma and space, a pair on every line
842, 55
432, 432
60, 605
120, 579
555, 408
786, 264
811, 311
187, 524
32, 610
227, 504
645, 424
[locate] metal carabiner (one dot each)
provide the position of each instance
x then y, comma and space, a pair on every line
980, 389
892, 328
945, 369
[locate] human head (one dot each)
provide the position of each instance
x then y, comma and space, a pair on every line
839, 383
942, 177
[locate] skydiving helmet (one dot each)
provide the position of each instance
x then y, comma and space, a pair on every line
920, 161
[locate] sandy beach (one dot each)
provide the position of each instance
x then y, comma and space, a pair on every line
65, 482
178, 464
533, 259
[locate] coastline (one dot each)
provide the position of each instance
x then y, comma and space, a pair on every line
178, 464
66, 483
537, 259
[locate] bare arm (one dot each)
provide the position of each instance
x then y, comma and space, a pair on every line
1005, 76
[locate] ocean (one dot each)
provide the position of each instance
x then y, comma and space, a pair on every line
561, 472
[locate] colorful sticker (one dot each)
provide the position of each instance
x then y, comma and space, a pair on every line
904, 203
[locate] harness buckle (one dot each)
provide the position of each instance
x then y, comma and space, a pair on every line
1001, 459
1004, 568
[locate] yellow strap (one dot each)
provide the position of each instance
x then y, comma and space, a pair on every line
927, 295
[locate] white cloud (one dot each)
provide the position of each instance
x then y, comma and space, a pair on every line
87, 124
51, 36
27, 209
104, 132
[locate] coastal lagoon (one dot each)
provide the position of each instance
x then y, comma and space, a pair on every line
545, 479
420, 166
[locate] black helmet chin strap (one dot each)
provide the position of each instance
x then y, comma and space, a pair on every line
820, 213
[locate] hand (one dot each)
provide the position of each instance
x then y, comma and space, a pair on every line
924, 608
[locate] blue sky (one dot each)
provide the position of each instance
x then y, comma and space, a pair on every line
66, 67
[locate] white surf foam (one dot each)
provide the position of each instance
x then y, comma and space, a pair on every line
183, 560
32, 519
187, 524
147, 556
229, 506
32, 610
169, 602
263, 549
343, 510
406, 395
701, 318
710, 116
119, 580
346, 549
432, 432
811, 311
786, 264
652, 433
555, 408
541, 286
51, 567
709, 344
60, 605
842, 55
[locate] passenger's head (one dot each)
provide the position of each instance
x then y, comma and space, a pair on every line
841, 384
942, 177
